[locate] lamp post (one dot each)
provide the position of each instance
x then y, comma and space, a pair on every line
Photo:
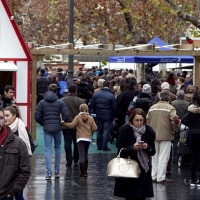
71, 40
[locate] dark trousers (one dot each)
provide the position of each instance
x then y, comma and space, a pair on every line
103, 134
39, 98
135, 198
195, 161
8, 198
169, 164
19, 196
195, 148
69, 136
83, 147
120, 120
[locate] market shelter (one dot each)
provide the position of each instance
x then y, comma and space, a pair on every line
14, 61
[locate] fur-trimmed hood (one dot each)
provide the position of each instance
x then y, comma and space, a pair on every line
194, 109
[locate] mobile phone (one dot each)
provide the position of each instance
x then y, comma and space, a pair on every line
141, 142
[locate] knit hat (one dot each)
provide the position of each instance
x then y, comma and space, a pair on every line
165, 86
146, 89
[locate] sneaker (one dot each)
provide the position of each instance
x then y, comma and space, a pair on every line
194, 183
48, 177
198, 184
57, 175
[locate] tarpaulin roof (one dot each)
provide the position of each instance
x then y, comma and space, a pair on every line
151, 59
158, 42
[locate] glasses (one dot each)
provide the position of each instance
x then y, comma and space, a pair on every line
2, 117
138, 120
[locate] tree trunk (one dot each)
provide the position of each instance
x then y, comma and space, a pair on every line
140, 68
163, 69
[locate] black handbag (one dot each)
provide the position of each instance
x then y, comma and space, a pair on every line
31, 140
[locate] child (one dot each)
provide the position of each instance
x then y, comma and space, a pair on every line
85, 127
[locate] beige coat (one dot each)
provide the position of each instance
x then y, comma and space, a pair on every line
160, 118
85, 129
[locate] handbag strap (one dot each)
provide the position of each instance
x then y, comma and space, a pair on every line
120, 152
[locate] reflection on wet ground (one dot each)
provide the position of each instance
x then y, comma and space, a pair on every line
97, 186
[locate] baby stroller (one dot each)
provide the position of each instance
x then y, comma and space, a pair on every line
184, 154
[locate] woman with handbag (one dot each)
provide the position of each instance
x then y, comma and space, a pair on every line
137, 140
14, 121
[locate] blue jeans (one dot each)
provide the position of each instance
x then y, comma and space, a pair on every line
103, 133
69, 136
57, 146
19, 196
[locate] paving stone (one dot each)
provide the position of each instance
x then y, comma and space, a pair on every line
97, 186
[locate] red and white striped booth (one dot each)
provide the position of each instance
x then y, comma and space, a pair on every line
15, 61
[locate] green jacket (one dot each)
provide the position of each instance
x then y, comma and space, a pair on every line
72, 103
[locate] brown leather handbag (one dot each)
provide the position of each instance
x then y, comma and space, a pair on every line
123, 168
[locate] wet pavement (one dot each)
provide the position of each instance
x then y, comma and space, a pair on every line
97, 186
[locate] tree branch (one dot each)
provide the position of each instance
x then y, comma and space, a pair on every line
128, 18
183, 15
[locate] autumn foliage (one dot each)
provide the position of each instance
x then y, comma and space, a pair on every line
126, 22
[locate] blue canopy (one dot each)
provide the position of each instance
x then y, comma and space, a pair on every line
158, 42
121, 59
151, 59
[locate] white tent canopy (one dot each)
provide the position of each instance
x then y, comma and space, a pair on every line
8, 66
171, 66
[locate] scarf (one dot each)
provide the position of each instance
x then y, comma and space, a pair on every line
3, 135
141, 154
18, 125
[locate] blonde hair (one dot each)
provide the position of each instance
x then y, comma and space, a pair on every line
14, 109
84, 108
100, 83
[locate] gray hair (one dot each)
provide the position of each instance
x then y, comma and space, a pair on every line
164, 96
180, 94
100, 83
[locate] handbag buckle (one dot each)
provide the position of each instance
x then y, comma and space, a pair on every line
129, 160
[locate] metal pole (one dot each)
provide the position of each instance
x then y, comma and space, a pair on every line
71, 40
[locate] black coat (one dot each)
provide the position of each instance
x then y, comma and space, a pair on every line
5, 102
42, 85
192, 120
125, 99
84, 91
135, 188
144, 102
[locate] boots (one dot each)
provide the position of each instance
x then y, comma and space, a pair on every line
86, 167
82, 169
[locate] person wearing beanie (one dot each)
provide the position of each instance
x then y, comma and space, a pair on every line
143, 99
165, 87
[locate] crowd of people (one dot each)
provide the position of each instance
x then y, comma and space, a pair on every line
150, 111
154, 106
